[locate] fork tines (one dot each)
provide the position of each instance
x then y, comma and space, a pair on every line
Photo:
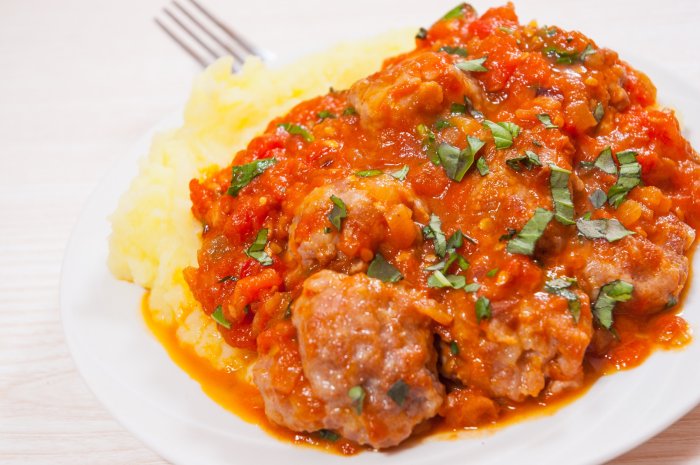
204, 37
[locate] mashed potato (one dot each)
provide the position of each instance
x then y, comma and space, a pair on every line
154, 235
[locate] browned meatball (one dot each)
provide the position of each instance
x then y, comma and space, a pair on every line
367, 352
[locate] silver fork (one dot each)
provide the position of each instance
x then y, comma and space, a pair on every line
203, 36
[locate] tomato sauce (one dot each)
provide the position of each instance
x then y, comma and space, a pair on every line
525, 102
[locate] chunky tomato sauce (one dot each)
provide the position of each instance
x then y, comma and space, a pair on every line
514, 187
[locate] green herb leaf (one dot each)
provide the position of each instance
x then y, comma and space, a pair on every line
455, 161
547, 121
454, 50
257, 248
398, 392
561, 196
507, 30
588, 51
429, 146
349, 111
442, 124
422, 33
228, 278
529, 161
605, 162
610, 230
456, 12
475, 144
672, 302
357, 395
569, 57
524, 242
439, 280
599, 112
483, 309
243, 174
476, 65
325, 114
400, 174
338, 213
609, 295
471, 287
508, 235
380, 269
368, 173
456, 240
559, 286
297, 130
482, 166
492, 273
598, 198
328, 435
503, 133
629, 178
454, 348
434, 231
219, 317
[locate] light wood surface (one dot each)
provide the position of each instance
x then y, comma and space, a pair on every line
80, 81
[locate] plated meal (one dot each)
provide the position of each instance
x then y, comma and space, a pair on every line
451, 235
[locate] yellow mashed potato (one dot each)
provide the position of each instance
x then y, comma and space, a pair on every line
154, 235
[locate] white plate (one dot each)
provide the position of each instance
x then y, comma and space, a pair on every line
135, 379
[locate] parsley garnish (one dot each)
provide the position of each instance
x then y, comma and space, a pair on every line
439, 280
529, 161
454, 50
380, 269
368, 173
561, 196
349, 111
454, 348
243, 174
219, 317
398, 392
629, 178
429, 146
338, 213
493, 272
610, 230
524, 241
503, 133
400, 174
476, 65
434, 231
297, 130
560, 287
482, 166
257, 248
609, 295
442, 124
325, 114
456, 12
328, 435
483, 309
547, 121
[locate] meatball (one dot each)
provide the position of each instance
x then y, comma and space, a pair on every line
418, 87
380, 210
527, 343
657, 273
367, 354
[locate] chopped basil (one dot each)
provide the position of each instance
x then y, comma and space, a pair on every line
454, 348
476, 65
471, 287
605, 162
257, 248
429, 146
456, 12
483, 308
609, 295
442, 124
327, 230
598, 198
325, 114
466, 107
559, 286
457, 162
349, 111
219, 317
328, 435
482, 166
357, 395
368, 173
434, 231
610, 230
243, 174
338, 213
492, 273
629, 178
458, 108
547, 121
456, 240
561, 196
569, 57
503, 133
439, 280
529, 161
228, 278
672, 302
454, 50
297, 130
422, 33
508, 235
380, 269
524, 241
400, 174
588, 51
599, 112
398, 392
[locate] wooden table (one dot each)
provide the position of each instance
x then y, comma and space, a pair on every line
81, 80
